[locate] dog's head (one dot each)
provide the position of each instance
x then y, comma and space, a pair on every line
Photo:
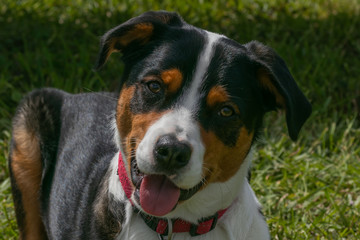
191, 104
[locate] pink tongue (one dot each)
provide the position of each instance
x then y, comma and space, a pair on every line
158, 195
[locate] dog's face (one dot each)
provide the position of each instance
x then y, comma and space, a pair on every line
191, 104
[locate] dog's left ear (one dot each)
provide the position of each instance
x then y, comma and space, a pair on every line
279, 88
134, 34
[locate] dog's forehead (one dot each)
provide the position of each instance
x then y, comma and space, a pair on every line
204, 59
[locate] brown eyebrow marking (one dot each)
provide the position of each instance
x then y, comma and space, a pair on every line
217, 94
173, 78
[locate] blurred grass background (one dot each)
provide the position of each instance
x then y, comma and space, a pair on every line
309, 189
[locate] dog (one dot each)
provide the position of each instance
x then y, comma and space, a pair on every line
165, 157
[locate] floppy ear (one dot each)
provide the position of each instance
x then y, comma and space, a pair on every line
135, 33
279, 88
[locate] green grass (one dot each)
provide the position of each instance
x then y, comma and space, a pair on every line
310, 189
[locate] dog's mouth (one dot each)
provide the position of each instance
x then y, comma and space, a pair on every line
157, 194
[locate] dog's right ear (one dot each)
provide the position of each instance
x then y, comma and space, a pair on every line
136, 33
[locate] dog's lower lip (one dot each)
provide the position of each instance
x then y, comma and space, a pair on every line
188, 193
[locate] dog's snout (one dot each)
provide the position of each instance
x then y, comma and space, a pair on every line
171, 153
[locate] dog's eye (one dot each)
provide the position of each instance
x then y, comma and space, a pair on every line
154, 86
226, 111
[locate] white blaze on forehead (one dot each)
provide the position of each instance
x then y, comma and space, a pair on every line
191, 97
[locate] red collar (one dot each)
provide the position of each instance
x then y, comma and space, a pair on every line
160, 225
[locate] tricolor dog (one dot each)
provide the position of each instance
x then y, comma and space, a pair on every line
168, 155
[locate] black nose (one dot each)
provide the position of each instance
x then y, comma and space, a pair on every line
170, 153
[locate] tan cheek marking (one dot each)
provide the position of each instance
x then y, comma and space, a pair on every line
27, 169
220, 161
142, 122
173, 79
124, 116
140, 126
132, 128
141, 32
217, 94
265, 81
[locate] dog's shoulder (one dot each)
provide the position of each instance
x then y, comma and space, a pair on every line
72, 135
51, 115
